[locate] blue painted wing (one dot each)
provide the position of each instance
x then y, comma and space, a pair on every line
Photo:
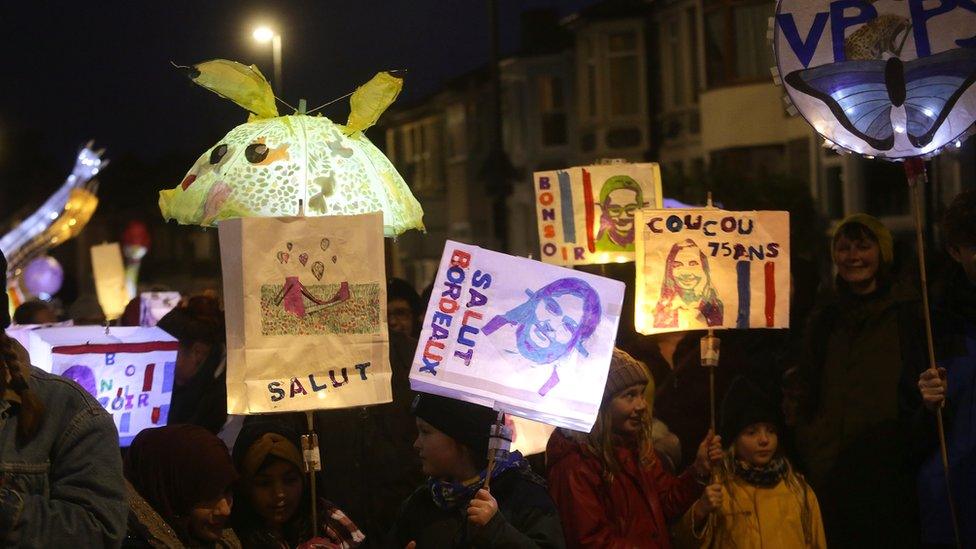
857, 95
933, 84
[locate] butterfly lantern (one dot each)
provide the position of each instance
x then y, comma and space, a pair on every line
265, 167
890, 79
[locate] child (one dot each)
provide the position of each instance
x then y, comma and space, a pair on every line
611, 488
273, 504
180, 480
453, 509
760, 501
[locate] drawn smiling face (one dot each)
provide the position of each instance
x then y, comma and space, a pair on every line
688, 271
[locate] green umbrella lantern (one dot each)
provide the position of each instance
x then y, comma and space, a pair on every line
263, 168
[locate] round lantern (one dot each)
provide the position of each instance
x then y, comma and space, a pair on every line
887, 78
43, 276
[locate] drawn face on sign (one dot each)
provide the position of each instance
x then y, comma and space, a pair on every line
552, 326
556, 319
687, 295
620, 198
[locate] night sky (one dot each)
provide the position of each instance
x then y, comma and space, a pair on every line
101, 70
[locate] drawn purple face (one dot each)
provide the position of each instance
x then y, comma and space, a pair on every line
552, 325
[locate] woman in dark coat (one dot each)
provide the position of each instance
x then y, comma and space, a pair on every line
864, 349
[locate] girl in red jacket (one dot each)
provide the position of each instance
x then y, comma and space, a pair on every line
609, 485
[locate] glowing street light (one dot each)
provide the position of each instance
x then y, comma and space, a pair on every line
264, 34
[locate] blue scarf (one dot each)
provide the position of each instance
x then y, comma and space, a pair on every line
449, 495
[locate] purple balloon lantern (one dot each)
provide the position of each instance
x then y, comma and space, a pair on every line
43, 276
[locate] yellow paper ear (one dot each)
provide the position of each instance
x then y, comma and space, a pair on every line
371, 99
242, 84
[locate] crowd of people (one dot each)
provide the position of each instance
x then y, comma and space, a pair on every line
826, 436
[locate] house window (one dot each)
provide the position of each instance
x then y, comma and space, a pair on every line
736, 49
418, 156
552, 111
456, 135
622, 62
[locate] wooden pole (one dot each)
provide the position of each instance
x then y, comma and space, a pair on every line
915, 174
310, 449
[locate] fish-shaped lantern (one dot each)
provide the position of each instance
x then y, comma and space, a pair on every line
266, 166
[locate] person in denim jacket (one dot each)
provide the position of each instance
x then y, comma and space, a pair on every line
60, 468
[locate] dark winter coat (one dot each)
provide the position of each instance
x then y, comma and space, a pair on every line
634, 512
682, 393
862, 355
369, 464
954, 325
526, 517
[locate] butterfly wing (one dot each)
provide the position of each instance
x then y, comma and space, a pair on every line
856, 93
933, 85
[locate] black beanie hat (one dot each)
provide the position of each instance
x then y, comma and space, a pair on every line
469, 424
4, 300
745, 404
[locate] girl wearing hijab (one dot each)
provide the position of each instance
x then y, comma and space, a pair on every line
273, 505
454, 509
180, 481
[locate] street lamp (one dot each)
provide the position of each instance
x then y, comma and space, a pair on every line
264, 35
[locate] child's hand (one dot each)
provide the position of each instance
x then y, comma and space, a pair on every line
709, 453
482, 508
932, 384
711, 500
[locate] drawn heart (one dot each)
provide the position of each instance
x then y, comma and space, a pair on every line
318, 269
334, 258
303, 259
288, 245
283, 257
325, 244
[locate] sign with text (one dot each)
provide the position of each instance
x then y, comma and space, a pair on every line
129, 371
586, 214
711, 268
305, 301
517, 335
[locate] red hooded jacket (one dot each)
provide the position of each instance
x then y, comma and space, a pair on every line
634, 513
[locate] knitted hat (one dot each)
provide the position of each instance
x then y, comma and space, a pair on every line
261, 440
467, 423
745, 404
877, 228
4, 300
625, 371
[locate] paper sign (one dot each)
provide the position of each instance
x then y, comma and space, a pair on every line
885, 78
129, 371
528, 437
305, 306
711, 268
109, 274
518, 335
154, 306
586, 214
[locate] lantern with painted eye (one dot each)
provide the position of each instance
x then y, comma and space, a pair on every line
263, 168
